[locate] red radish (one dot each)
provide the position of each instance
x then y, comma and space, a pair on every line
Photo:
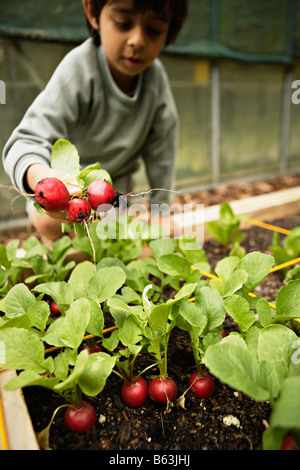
289, 443
80, 419
93, 349
135, 395
100, 192
78, 210
54, 309
162, 389
202, 386
52, 194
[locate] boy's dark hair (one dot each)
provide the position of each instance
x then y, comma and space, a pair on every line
179, 10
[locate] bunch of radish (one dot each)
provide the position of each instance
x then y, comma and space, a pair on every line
161, 390
53, 196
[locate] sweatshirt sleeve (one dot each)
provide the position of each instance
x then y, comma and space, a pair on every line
159, 151
51, 116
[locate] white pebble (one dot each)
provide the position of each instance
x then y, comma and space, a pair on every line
231, 420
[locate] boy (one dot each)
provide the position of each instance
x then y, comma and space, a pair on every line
110, 97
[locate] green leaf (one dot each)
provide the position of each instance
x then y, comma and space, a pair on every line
96, 322
174, 265
238, 308
235, 282
61, 366
28, 378
52, 334
23, 350
235, 366
288, 300
193, 314
226, 229
17, 322
286, 410
75, 322
185, 292
212, 305
79, 278
264, 312
275, 345
65, 158
257, 265
146, 302
61, 292
105, 283
129, 296
111, 342
226, 266
268, 377
18, 301
39, 313
73, 377
159, 317
60, 248
93, 175
130, 333
164, 246
98, 368
272, 438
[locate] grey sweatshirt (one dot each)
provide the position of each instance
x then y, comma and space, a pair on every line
82, 103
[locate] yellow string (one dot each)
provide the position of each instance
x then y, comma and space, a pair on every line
285, 265
268, 226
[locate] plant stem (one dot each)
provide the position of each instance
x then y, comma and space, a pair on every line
146, 368
77, 397
91, 242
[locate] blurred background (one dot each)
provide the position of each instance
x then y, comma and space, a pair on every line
231, 71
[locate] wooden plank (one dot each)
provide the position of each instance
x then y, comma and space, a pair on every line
266, 207
15, 419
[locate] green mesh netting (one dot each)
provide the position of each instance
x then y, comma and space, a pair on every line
56, 20
255, 30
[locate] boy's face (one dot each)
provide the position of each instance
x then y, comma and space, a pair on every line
131, 40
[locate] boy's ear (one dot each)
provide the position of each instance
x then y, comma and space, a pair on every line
89, 14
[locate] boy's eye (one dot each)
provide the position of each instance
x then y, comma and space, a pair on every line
126, 25
123, 25
153, 31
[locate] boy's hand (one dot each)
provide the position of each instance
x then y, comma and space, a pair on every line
37, 172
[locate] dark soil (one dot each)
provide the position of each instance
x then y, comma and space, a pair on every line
239, 190
198, 426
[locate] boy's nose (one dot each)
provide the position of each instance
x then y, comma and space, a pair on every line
137, 38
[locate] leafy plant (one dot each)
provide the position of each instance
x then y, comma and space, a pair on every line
33, 262
26, 317
147, 297
227, 229
286, 251
262, 359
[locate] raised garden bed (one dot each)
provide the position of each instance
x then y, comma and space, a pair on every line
229, 420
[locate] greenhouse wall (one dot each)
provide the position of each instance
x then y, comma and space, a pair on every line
232, 80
